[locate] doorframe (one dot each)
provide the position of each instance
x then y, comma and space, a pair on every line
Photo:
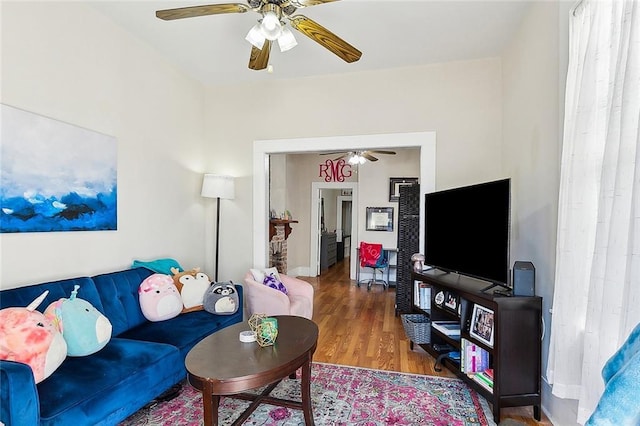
342, 199
314, 235
426, 141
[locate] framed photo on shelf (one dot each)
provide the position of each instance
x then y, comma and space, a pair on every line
482, 324
395, 183
380, 219
451, 302
439, 298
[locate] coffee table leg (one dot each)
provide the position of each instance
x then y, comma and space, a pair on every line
210, 403
306, 393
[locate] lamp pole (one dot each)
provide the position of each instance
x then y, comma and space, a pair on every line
218, 187
215, 279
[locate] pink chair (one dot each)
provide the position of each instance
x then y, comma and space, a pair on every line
262, 299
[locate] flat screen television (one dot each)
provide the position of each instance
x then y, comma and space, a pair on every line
467, 231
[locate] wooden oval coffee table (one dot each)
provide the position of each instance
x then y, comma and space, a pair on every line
222, 365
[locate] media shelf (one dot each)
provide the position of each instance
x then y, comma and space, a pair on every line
512, 341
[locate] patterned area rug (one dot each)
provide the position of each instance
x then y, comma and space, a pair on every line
341, 395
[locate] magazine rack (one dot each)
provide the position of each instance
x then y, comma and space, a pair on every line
508, 328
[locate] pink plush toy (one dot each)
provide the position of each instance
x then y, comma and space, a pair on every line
27, 336
159, 298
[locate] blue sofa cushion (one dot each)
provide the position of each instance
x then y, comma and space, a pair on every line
119, 293
110, 384
185, 330
17, 410
57, 290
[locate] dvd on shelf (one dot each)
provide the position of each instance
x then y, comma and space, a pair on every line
448, 328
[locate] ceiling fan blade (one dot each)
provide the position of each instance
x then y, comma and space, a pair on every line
383, 152
307, 3
326, 38
369, 156
341, 157
193, 11
260, 58
333, 153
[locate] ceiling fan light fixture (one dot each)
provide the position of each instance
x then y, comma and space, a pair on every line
271, 26
286, 41
356, 159
255, 36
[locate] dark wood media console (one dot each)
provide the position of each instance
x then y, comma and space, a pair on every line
515, 355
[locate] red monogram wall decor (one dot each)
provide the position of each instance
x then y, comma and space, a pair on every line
335, 171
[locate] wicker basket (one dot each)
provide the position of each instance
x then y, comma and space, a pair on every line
417, 327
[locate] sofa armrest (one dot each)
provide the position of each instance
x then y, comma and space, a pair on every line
265, 300
19, 404
300, 288
297, 287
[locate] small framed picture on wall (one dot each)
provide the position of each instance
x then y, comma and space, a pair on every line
396, 182
379, 218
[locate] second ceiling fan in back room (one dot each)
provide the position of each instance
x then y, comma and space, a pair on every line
358, 157
273, 26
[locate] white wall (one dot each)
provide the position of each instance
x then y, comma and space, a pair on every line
534, 69
373, 191
373, 183
278, 184
65, 61
461, 101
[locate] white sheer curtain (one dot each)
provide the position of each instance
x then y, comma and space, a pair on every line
597, 290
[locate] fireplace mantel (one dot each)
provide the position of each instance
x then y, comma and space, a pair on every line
280, 222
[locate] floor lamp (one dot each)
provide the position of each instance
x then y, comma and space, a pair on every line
218, 187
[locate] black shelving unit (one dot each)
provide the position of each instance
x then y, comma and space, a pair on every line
515, 355
408, 243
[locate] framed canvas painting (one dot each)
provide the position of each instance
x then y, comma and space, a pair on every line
55, 176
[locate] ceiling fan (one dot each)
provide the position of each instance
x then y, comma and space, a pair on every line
272, 27
359, 157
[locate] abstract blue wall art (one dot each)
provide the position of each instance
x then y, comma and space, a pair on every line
55, 176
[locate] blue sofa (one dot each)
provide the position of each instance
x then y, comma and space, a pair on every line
141, 361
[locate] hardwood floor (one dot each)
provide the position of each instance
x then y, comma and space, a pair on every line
360, 328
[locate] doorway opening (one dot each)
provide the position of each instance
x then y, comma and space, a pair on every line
317, 221
425, 141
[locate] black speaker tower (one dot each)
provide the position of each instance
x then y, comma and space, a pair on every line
524, 279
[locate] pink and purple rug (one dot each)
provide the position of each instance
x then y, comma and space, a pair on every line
341, 395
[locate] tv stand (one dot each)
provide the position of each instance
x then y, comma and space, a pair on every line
494, 285
514, 355
437, 271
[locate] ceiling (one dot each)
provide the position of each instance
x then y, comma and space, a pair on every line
390, 34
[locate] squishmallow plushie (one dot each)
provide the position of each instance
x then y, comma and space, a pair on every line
83, 327
192, 285
618, 404
159, 298
27, 336
221, 299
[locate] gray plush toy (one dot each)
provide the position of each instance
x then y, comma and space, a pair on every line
221, 299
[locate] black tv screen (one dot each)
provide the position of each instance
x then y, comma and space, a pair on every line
467, 230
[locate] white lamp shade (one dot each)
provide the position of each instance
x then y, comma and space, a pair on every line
216, 186
286, 41
255, 36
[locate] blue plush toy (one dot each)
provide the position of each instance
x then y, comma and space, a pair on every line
619, 405
83, 327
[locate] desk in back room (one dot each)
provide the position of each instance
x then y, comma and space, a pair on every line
392, 255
